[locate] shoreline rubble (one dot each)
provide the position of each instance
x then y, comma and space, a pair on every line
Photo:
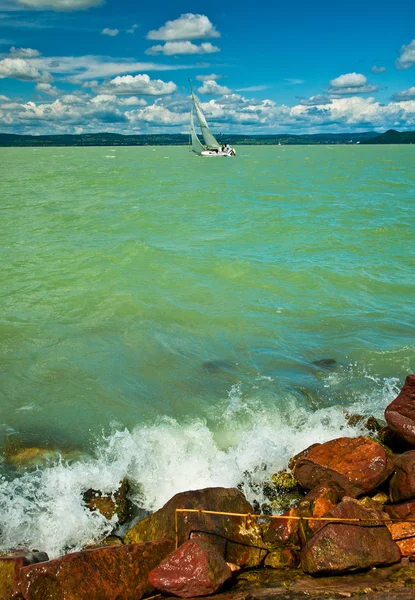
348, 530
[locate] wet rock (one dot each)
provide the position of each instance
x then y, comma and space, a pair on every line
195, 569
110, 504
210, 538
400, 414
401, 511
24, 459
10, 576
356, 465
31, 556
293, 461
345, 547
370, 423
316, 504
393, 441
282, 491
407, 546
377, 502
245, 546
109, 573
284, 530
402, 484
281, 558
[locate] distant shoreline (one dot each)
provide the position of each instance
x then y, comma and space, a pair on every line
8, 140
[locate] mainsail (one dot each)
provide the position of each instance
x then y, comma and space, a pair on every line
197, 145
210, 140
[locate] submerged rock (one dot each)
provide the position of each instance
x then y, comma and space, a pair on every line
325, 363
217, 366
356, 465
110, 504
400, 414
245, 546
109, 573
194, 569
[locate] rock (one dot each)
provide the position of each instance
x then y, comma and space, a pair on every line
217, 366
282, 491
377, 502
109, 573
284, 531
214, 540
10, 576
195, 569
31, 556
369, 423
357, 465
245, 546
393, 441
316, 504
343, 547
401, 511
293, 461
402, 484
110, 504
400, 414
325, 363
407, 546
281, 558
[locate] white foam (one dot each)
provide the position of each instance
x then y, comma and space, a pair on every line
44, 509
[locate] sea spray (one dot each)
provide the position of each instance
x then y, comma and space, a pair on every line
44, 509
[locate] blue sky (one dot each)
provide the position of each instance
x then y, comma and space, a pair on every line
72, 66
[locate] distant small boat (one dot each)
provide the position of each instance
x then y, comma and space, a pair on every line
211, 147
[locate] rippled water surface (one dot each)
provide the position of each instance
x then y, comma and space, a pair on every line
182, 320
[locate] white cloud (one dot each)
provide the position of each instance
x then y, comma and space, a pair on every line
132, 28
138, 84
157, 114
376, 69
407, 56
60, 5
351, 84
186, 27
24, 52
19, 68
176, 48
211, 87
408, 94
47, 88
316, 100
207, 77
294, 81
253, 88
4, 98
110, 32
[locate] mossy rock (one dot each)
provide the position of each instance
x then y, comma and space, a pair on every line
406, 576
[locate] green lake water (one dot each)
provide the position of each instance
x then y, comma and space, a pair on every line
182, 320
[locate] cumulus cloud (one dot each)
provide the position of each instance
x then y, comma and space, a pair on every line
408, 94
186, 27
138, 84
176, 48
60, 5
376, 69
23, 52
4, 98
212, 87
407, 56
110, 32
316, 100
20, 68
351, 84
132, 28
47, 88
158, 114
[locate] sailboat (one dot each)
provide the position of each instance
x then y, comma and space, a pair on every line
211, 146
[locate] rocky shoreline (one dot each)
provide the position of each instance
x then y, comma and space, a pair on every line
348, 529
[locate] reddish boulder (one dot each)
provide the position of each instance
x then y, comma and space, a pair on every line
400, 414
402, 484
343, 547
245, 546
356, 465
109, 573
401, 511
284, 531
281, 558
407, 546
109, 505
194, 569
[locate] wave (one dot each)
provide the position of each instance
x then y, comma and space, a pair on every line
43, 509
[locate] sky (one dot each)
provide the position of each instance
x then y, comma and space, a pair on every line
82, 66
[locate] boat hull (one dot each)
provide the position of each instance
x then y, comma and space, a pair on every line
213, 153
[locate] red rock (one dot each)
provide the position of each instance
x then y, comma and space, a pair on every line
407, 547
284, 531
194, 569
400, 414
109, 573
109, 505
357, 465
10, 567
401, 511
401, 530
345, 548
402, 484
245, 545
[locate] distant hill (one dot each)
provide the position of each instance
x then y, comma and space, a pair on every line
393, 137
161, 139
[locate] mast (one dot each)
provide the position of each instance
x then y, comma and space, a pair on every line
208, 137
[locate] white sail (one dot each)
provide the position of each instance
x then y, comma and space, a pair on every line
197, 146
210, 140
